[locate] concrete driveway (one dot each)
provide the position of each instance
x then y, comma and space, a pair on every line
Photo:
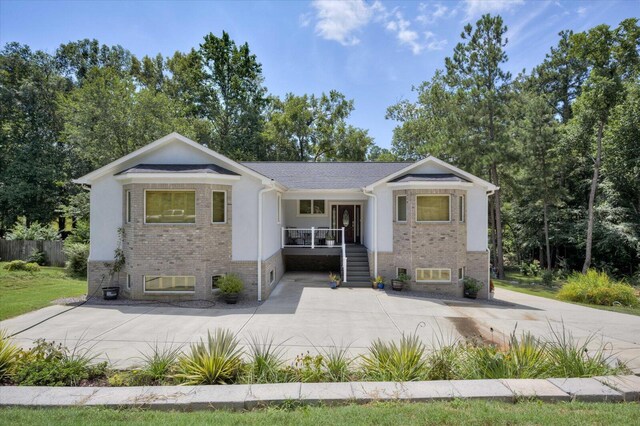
306, 315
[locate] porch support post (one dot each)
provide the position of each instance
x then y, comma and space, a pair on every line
282, 237
375, 230
313, 237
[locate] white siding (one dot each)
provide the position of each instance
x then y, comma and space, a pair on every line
271, 230
477, 221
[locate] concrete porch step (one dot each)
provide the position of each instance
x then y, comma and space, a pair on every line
357, 284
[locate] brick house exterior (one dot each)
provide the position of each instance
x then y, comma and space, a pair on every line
276, 210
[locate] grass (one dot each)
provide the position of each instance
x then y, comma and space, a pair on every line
515, 281
21, 292
388, 413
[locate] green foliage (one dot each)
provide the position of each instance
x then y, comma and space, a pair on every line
79, 234
402, 361
8, 356
404, 277
472, 285
230, 284
38, 257
216, 361
337, 364
77, 255
159, 363
33, 232
598, 288
265, 363
307, 368
531, 269
547, 278
21, 265
51, 364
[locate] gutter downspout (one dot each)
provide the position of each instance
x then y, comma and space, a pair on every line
375, 230
260, 193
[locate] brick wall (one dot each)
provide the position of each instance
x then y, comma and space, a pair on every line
427, 245
478, 268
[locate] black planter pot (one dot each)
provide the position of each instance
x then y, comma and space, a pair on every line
110, 293
397, 285
231, 298
470, 294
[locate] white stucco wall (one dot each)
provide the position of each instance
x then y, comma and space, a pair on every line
105, 217
477, 219
271, 230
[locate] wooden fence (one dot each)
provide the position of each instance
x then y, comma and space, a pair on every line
21, 249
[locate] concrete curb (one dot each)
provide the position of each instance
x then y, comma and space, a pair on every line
239, 397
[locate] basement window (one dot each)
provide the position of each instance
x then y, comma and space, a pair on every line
433, 275
169, 284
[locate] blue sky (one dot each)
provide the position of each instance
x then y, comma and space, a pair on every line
372, 51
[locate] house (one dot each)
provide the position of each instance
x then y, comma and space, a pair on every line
190, 215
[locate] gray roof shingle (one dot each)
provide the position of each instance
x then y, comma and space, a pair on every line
325, 175
429, 177
178, 168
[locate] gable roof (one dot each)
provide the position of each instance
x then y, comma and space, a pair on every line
172, 137
178, 168
325, 175
429, 177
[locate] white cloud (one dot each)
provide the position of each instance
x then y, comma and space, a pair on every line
428, 16
411, 38
475, 8
341, 20
304, 19
582, 11
432, 42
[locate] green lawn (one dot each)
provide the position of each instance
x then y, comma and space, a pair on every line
533, 285
22, 292
436, 413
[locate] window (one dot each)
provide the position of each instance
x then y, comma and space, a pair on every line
461, 208
272, 276
461, 272
433, 208
427, 275
128, 282
279, 207
401, 271
170, 207
311, 207
128, 205
219, 207
214, 281
401, 208
169, 284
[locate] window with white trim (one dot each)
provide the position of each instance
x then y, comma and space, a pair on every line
169, 284
128, 207
433, 275
170, 206
401, 208
219, 207
462, 209
433, 208
311, 207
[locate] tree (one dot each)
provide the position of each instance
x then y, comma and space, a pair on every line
610, 56
76, 59
232, 97
31, 159
107, 117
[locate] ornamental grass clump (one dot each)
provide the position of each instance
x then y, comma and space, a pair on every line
266, 364
159, 364
404, 361
337, 364
8, 355
597, 288
216, 361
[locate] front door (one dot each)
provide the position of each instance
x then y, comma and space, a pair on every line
346, 219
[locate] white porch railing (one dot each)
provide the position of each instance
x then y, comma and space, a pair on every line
317, 238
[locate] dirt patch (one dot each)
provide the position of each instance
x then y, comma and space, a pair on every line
468, 329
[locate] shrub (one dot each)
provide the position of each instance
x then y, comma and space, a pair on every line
472, 285
547, 278
159, 363
21, 265
77, 255
217, 361
37, 256
230, 284
20, 231
307, 368
8, 356
79, 234
597, 288
404, 361
530, 269
51, 364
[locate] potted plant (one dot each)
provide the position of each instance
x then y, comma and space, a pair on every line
471, 287
378, 282
230, 286
330, 240
334, 280
398, 283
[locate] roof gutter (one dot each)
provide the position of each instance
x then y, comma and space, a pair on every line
375, 229
268, 187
